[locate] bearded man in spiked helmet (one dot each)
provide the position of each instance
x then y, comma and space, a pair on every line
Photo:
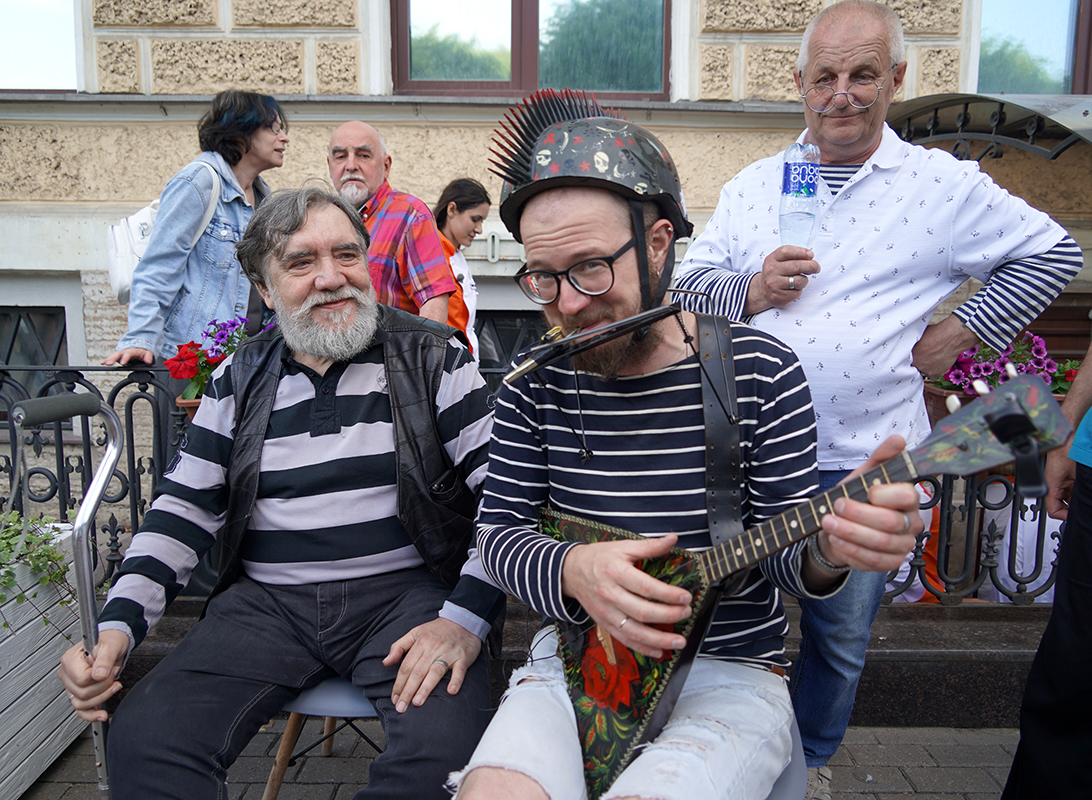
608, 429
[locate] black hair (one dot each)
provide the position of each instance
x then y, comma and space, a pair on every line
465, 193
233, 118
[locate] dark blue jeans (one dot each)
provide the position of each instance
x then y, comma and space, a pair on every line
182, 726
1054, 757
834, 636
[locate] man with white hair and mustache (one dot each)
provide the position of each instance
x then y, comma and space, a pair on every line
337, 461
407, 263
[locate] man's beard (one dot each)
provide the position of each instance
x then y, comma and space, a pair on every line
355, 192
331, 341
608, 359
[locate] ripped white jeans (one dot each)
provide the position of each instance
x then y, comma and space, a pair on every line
728, 736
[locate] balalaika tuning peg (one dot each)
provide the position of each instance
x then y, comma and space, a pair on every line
951, 402
980, 386
1010, 370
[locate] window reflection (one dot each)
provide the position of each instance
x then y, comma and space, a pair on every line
1025, 50
448, 43
32, 336
601, 45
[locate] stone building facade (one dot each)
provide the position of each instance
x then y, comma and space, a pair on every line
71, 163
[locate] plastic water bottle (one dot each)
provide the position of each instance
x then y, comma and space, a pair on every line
798, 194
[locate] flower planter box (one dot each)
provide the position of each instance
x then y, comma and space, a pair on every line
189, 406
37, 722
935, 399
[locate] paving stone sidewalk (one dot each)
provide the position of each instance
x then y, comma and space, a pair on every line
872, 764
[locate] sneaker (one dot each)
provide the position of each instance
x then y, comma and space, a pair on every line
818, 783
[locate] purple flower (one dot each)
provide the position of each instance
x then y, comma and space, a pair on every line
1008, 350
1038, 350
1050, 365
957, 376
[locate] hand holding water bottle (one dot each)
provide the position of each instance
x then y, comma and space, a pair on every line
799, 197
785, 271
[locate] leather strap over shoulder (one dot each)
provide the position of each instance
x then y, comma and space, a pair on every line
723, 460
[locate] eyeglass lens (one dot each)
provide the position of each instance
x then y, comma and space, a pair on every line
592, 277
860, 95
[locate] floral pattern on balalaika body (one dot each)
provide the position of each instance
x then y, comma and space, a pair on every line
615, 702
623, 699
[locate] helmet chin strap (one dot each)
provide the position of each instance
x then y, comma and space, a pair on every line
648, 300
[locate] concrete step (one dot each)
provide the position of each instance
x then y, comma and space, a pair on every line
944, 666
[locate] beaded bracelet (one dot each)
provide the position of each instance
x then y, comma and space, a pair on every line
822, 563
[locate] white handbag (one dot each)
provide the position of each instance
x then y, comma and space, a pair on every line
128, 239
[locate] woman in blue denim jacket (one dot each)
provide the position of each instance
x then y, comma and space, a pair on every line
177, 290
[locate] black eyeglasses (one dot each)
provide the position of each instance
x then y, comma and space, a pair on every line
860, 94
592, 277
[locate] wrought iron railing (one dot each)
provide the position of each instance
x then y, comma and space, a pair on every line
58, 476
989, 541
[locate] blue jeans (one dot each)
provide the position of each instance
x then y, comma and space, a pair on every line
834, 637
182, 726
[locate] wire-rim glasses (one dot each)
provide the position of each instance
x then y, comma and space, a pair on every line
860, 94
592, 277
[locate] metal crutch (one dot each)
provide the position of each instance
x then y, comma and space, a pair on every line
44, 410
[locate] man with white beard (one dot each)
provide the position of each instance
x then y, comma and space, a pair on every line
337, 461
407, 263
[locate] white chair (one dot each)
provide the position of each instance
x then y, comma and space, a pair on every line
334, 699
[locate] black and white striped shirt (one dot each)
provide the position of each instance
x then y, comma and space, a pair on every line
647, 475
326, 507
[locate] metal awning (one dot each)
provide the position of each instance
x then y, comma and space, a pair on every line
982, 125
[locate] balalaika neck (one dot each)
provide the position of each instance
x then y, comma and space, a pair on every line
798, 522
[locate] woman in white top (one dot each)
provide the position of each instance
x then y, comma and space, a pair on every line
459, 212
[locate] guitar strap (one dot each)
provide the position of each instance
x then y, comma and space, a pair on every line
723, 468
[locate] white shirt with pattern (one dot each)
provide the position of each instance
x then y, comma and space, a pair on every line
901, 236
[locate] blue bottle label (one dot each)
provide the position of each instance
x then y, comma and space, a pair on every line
800, 178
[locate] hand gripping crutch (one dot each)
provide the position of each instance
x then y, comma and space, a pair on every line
43, 410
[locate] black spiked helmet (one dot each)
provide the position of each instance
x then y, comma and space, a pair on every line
554, 139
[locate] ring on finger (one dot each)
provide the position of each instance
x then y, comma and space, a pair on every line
622, 624
906, 523
792, 283
441, 661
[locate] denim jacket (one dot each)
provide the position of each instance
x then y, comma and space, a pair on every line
177, 291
